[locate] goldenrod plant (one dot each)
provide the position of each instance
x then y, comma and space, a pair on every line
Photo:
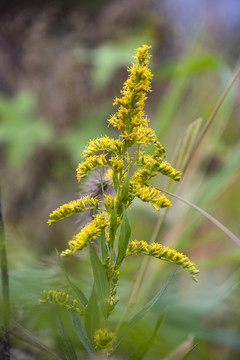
113, 173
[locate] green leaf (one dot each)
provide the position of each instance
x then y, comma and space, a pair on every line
113, 225
125, 187
103, 246
66, 343
186, 356
125, 233
101, 280
115, 180
92, 315
81, 333
128, 326
79, 294
146, 345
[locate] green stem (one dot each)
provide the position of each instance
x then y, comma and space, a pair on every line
5, 344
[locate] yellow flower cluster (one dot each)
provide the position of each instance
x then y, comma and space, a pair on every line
91, 163
102, 144
164, 253
103, 340
60, 298
88, 233
142, 135
130, 114
73, 207
149, 194
153, 165
132, 122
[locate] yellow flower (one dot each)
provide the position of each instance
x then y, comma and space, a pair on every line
73, 207
91, 163
149, 194
103, 340
88, 233
131, 105
60, 298
164, 253
102, 144
116, 163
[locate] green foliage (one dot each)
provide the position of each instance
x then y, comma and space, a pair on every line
101, 280
66, 343
20, 128
143, 348
124, 237
81, 333
123, 332
92, 316
208, 312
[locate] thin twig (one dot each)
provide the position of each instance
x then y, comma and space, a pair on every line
208, 216
5, 344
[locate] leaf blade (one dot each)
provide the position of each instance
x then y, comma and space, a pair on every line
124, 237
101, 280
146, 345
92, 315
81, 333
142, 312
66, 343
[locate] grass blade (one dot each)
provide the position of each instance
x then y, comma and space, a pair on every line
189, 352
66, 343
81, 333
141, 313
146, 345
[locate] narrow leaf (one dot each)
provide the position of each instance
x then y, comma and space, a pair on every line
66, 343
115, 180
141, 313
113, 225
79, 294
125, 187
81, 333
92, 315
146, 345
125, 233
103, 246
101, 280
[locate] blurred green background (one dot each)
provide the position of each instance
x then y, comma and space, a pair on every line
61, 65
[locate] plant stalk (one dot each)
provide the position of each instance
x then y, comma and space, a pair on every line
5, 343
